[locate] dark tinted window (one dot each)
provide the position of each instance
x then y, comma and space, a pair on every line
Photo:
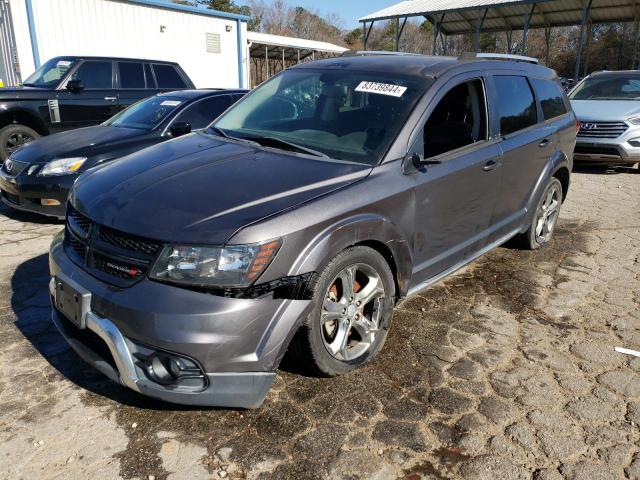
458, 120
151, 83
167, 77
203, 112
131, 75
146, 114
94, 74
516, 105
551, 98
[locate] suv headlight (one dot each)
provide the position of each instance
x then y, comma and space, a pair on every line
228, 267
634, 120
63, 166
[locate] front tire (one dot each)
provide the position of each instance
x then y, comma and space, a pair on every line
353, 302
13, 137
545, 217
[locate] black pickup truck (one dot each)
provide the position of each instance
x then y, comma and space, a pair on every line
71, 92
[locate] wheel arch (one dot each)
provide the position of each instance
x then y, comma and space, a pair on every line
24, 117
373, 231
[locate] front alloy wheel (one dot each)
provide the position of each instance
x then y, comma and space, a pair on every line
351, 312
353, 305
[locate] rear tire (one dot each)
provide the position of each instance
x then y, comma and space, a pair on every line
348, 325
544, 218
13, 137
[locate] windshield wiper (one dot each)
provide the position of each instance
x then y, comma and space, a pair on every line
284, 145
217, 131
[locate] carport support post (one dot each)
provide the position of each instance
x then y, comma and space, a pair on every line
399, 30
547, 44
366, 32
585, 15
587, 49
635, 42
476, 37
436, 32
525, 31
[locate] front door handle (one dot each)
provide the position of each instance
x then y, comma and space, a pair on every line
110, 99
544, 143
491, 165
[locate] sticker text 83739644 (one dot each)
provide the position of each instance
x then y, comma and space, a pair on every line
381, 89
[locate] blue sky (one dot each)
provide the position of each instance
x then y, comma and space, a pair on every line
349, 10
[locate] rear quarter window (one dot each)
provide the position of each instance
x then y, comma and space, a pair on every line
516, 104
551, 98
168, 77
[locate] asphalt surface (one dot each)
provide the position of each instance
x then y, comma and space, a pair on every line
506, 370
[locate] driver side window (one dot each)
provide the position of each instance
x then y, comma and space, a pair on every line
459, 119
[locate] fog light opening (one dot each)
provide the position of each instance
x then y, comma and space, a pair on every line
170, 370
49, 202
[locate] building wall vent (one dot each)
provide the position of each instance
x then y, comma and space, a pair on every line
213, 43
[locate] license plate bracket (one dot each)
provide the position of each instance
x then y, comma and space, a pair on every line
73, 301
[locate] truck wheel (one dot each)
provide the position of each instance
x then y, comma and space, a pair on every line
353, 305
545, 217
13, 137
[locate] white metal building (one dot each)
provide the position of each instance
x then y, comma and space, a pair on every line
209, 45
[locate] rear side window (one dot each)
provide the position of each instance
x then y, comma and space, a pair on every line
94, 74
168, 77
203, 112
131, 75
551, 98
516, 105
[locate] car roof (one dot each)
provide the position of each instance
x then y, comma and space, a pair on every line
124, 59
418, 65
616, 73
194, 94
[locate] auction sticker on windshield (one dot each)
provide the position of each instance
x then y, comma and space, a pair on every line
381, 89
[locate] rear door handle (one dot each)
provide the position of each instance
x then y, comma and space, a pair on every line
544, 143
110, 99
491, 165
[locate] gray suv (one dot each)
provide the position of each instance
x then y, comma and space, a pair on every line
302, 216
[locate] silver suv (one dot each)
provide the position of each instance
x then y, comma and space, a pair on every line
608, 107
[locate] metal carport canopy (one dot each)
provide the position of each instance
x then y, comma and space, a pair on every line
461, 16
290, 46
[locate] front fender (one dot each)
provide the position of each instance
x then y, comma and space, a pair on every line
372, 229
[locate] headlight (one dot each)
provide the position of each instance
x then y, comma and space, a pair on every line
634, 120
64, 166
232, 266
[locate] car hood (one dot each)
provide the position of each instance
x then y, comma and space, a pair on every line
85, 142
202, 189
605, 110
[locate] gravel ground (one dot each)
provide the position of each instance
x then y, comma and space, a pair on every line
506, 370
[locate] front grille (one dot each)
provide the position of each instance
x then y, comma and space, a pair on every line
602, 129
596, 150
128, 242
120, 269
80, 220
113, 256
13, 168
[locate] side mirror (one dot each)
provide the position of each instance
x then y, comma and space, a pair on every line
420, 162
180, 128
75, 86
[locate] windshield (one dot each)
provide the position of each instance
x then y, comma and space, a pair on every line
346, 115
608, 88
50, 74
146, 114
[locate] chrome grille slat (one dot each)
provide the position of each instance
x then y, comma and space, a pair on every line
602, 129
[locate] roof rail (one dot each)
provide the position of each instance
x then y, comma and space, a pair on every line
497, 56
362, 53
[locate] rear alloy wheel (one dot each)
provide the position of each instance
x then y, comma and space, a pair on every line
545, 217
354, 298
14, 136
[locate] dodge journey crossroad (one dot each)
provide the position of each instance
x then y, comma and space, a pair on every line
297, 220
